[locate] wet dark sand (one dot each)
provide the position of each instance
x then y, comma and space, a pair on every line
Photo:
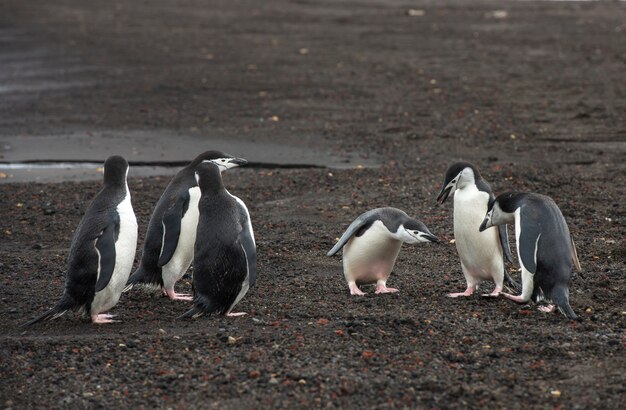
534, 97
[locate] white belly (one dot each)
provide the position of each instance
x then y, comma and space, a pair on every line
480, 252
370, 257
183, 255
125, 247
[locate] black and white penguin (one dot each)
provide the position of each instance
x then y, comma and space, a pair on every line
545, 248
171, 234
102, 250
481, 253
224, 259
372, 243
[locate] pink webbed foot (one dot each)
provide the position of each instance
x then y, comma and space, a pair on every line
496, 292
517, 299
382, 288
236, 314
103, 318
546, 309
170, 293
354, 290
468, 292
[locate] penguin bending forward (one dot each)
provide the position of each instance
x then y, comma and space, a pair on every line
225, 251
372, 243
545, 248
481, 253
171, 234
102, 250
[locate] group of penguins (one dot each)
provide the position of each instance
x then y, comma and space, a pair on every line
196, 220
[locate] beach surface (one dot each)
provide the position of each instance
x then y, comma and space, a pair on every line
340, 107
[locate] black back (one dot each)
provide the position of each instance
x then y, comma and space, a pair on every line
392, 218
541, 218
101, 220
170, 208
220, 264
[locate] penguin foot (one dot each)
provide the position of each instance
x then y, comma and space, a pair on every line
496, 292
518, 299
236, 314
468, 292
384, 289
170, 293
103, 318
546, 309
354, 290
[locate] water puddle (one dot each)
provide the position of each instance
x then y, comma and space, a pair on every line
79, 156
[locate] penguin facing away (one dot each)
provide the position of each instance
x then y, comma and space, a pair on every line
171, 233
372, 243
102, 251
225, 250
545, 248
481, 253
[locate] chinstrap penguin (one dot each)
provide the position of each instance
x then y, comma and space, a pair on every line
225, 251
372, 243
545, 248
102, 250
171, 234
481, 253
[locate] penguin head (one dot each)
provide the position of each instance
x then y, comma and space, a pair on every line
115, 170
225, 163
458, 176
206, 155
500, 210
412, 231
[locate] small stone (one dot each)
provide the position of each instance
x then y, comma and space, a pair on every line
254, 374
415, 13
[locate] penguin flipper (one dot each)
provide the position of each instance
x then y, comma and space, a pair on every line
171, 229
355, 226
527, 243
105, 246
575, 256
503, 234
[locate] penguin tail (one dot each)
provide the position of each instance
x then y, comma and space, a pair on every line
512, 283
58, 310
560, 297
192, 313
202, 306
135, 278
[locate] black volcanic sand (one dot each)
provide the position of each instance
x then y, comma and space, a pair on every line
536, 100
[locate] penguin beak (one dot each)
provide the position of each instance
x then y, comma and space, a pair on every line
238, 161
486, 224
443, 195
431, 238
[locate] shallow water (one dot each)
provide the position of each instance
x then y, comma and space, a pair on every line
78, 156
